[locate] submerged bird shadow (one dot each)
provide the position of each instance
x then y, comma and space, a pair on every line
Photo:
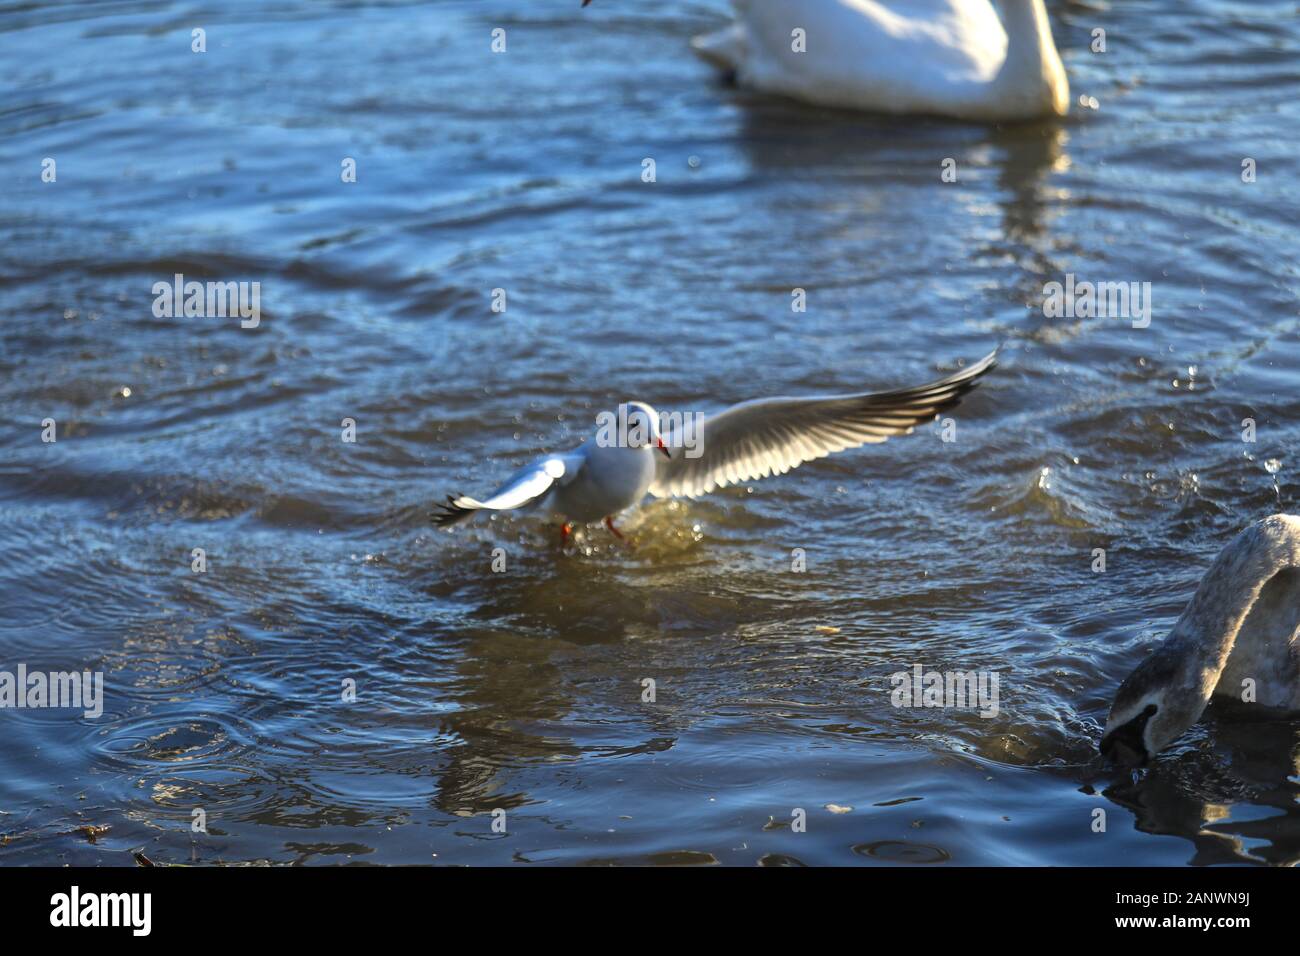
1212, 794
886, 163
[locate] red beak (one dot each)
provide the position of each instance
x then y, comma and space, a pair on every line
664, 448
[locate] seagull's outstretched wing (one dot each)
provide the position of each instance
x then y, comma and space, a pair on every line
526, 486
770, 436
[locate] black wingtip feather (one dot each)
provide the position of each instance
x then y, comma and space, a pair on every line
450, 514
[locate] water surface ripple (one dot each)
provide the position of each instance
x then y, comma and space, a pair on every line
522, 691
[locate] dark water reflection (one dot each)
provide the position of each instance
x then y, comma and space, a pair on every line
523, 691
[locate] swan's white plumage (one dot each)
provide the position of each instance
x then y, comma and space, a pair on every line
944, 57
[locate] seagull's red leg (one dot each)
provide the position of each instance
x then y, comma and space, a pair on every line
609, 523
565, 530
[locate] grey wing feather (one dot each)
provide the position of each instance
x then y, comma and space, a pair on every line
771, 436
527, 486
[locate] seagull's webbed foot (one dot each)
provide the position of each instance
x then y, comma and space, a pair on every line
609, 523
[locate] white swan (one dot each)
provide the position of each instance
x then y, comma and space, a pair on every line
1243, 623
943, 57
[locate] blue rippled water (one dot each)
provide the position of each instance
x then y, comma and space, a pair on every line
522, 691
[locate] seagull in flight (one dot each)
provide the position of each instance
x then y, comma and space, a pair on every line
638, 450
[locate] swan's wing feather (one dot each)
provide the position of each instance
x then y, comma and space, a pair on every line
726, 48
526, 486
770, 436
867, 43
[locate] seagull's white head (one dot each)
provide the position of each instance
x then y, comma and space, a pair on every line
640, 423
